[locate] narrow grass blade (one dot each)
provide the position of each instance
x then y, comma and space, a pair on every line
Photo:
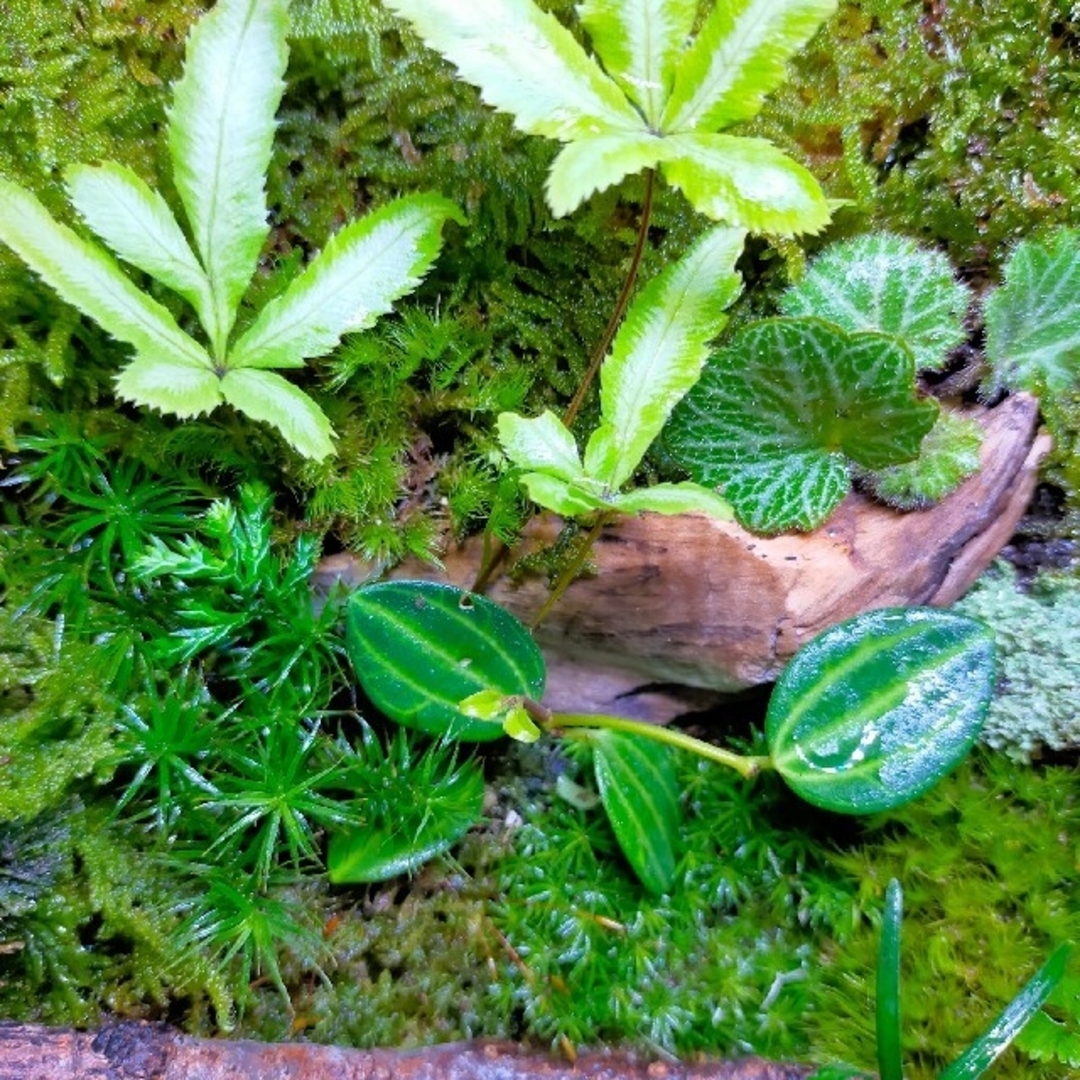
890, 1055
996, 1039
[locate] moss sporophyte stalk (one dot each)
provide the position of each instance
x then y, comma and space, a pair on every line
279, 279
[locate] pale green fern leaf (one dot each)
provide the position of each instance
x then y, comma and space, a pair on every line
138, 225
525, 62
358, 276
738, 57
746, 182
562, 496
182, 389
221, 132
595, 164
639, 42
659, 352
266, 396
684, 498
87, 277
541, 443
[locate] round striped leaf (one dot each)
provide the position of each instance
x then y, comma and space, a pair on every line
780, 416
419, 648
640, 792
876, 710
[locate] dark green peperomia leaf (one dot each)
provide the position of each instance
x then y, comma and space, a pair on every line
888, 284
419, 648
388, 848
781, 414
876, 710
640, 793
1033, 320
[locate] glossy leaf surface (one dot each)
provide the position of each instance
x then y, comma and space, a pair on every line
420, 648
780, 415
640, 793
997, 1038
876, 710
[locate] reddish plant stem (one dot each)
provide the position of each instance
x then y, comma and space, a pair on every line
495, 549
620, 305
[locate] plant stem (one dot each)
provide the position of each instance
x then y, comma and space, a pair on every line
496, 550
620, 305
570, 571
747, 767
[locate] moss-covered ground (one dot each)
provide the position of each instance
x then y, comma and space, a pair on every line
950, 123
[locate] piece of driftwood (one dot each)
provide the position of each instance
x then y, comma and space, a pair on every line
692, 602
133, 1051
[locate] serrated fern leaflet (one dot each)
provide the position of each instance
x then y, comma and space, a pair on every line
655, 101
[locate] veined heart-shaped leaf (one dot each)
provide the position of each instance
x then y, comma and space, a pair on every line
420, 648
949, 454
780, 415
1033, 320
873, 712
640, 793
889, 284
451, 806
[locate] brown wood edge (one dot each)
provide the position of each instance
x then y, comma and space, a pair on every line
141, 1051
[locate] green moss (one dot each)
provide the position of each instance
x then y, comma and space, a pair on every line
988, 863
953, 123
1037, 705
55, 727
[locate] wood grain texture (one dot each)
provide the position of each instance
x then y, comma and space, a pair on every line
131, 1051
690, 601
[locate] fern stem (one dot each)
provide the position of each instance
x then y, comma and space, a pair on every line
495, 550
620, 305
570, 572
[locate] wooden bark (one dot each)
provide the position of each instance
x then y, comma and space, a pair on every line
132, 1051
692, 602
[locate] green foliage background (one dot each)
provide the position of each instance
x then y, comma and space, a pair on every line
956, 124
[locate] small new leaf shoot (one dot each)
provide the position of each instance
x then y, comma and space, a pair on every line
949, 454
657, 356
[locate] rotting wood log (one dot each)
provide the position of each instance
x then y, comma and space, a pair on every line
683, 609
137, 1051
